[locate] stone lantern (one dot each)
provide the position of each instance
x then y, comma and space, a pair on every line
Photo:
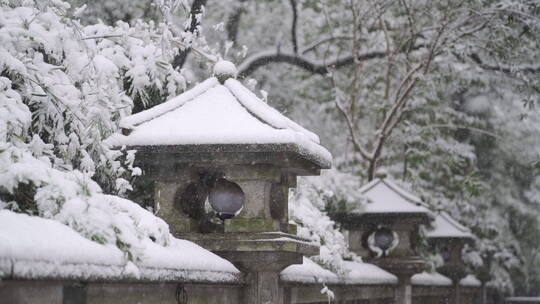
448, 238
222, 162
385, 231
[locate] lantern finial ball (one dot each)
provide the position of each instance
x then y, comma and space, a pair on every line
381, 173
224, 70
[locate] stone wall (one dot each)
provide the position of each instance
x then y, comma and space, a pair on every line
60, 292
80, 292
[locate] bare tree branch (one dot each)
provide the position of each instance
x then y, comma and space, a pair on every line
357, 144
391, 121
324, 40
390, 58
401, 109
233, 23
411, 25
263, 58
294, 39
252, 63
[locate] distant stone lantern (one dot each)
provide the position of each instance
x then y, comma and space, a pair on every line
448, 238
385, 231
219, 149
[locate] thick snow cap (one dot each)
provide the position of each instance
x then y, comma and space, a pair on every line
218, 113
224, 69
430, 279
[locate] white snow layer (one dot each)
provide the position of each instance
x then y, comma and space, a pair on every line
355, 273
387, 197
225, 67
158, 110
470, 281
364, 273
308, 272
445, 226
430, 279
212, 113
34, 247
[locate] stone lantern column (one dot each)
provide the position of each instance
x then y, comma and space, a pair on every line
222, 162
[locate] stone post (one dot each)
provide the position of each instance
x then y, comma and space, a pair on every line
263, 288
262, 271
456, 293
404, 289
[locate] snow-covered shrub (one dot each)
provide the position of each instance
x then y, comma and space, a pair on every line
63, 89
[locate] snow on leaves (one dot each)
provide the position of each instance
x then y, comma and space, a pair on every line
63, 89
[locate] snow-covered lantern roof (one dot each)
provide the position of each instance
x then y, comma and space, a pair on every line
387, 199
222, 121
219, 146
444, 227
448, 238
385, 230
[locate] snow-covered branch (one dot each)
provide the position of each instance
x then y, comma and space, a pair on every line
525, 68
252, 63
356, 142
195, 15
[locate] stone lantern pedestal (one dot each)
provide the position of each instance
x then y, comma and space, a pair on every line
222, 162
404, 268
385, 232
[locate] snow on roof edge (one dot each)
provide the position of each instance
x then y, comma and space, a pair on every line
408, 197
437, 230
369, 185
402, 192
171, 104
392, 185
454, 222
257, 107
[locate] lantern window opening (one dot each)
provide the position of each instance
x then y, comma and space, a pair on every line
211, 196
382, 241
226, 198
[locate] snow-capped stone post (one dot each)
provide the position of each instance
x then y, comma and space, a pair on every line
222, 162
385, 231
224, 70
448, 238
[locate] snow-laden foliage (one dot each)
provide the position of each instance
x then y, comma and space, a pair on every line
72, 198
306, 209
63, 89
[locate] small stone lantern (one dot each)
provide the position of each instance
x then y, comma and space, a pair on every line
448, 238
385, 231
222, 161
